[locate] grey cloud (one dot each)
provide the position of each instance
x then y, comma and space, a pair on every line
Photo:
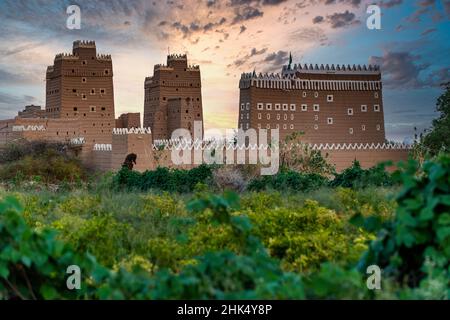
339, 20
243, 14
318, 19
400, 69
428, 31
275, 61
243, 60
390, 4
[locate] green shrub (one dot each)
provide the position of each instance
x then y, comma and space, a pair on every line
421, 227
357, 177
174, 180
48, 166
305, 237
288, 180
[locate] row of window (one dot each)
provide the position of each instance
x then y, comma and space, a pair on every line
92, 92
105, 71
91, 109
316, 126
304, 107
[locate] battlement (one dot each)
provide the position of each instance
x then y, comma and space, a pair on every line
84, 44
292, 80
122, 131
182, 57
332, 69
66, 56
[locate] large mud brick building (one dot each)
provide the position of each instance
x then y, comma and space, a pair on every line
329, 104
173, 97
79, 86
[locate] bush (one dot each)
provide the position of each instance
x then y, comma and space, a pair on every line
357, 177
288, 180
174, 180
420, 230
49, 167
228, 177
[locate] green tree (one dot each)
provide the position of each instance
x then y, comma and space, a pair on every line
438, 138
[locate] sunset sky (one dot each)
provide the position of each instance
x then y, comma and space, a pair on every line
227, 38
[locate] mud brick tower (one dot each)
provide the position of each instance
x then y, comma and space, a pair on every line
80, 86
173, 97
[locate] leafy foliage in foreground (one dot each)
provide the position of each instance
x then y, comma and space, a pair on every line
421, 228
412, 249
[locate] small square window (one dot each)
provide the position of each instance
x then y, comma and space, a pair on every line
93, 108
292, 116
242, 106
304, 107
350, 130
292, 126
259, 125
285, 106
284, 126
376, 108
268, 116
378, 127
259, 115
75, 109
363, 127
292, 107
248, 116
92, 91
285, 117
304, 94
363, 108
260, 106
242, 116
350, 111
330, 120
248, 124
268, 126
316, 94
277, 106
375, 95
316, 107
316, 127
106, 71
268, 106
316, 117
83, 96
278, 116
74, 90
248, 106
84, 80
84, 62
330, 98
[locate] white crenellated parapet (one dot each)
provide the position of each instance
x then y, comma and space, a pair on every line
124, 131
292, 82
78, 141
207, 144
102, 147
178, 144
360, 146
29, 128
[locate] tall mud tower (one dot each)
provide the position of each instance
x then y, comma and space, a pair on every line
173, 97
